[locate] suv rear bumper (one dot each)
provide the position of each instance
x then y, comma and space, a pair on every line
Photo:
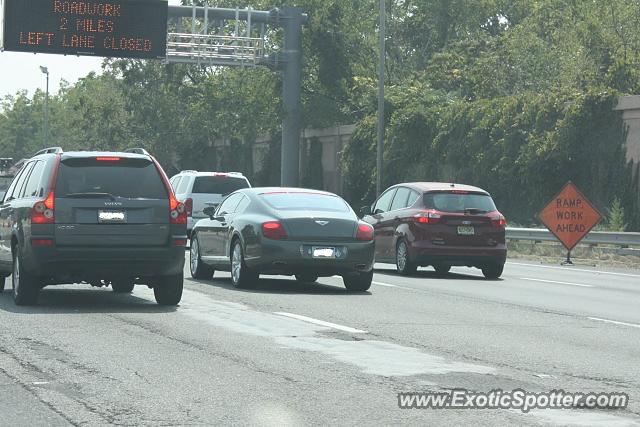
87, 263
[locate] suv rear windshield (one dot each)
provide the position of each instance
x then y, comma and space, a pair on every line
128, 178
305, 201
222, 184
459, 202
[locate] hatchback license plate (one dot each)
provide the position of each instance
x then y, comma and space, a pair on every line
464, 230
111, 216
324, 252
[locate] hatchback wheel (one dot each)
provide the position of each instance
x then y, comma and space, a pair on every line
122, 286
25, 288
358, 282
306, 278
403, 263
492, 271
199, 270
241, 275
441, 269
168, 289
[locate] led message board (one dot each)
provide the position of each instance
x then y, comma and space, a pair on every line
111, 28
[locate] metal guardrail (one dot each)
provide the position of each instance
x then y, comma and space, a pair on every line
593, 238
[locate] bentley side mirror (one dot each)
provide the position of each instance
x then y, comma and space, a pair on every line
210, 211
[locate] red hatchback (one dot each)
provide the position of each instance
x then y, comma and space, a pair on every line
438, 224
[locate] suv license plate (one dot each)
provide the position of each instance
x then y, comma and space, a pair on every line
324, 252
464, 230
111, 216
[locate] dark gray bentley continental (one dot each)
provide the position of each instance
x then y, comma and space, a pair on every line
284, 231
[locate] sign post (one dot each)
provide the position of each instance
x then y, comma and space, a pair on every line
570, 216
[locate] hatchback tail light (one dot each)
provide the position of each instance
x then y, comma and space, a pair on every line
178, 212
188, 205
365, 232
428, 217
273, 230
499, 221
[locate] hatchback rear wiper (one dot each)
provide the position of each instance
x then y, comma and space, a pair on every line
91, 195
474, 211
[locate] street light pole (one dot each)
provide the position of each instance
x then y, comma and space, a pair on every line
46, 109
380, 147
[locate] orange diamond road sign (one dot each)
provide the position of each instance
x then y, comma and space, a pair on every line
570, 216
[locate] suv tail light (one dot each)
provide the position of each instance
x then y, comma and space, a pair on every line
178, 212
273, 230
188, 205
499, 221
365, 232
43, 211
428, 217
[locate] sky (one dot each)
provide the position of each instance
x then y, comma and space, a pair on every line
20, 71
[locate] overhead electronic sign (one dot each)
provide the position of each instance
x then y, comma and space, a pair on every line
112, 28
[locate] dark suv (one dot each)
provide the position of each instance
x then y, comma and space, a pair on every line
95, 217
438, 224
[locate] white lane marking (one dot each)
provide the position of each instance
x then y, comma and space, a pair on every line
615, 322
322, 323
388, 285
574, 269
370, 356
559, 283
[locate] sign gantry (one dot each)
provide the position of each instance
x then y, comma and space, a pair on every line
139, 29
207, 46
217, 36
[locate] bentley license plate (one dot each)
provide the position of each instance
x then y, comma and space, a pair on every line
324, 252
111, 216
464, 230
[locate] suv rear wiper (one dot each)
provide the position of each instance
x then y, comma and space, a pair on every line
91, 195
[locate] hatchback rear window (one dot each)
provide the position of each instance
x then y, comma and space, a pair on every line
222, 184
128, 178
459, 202
305, 201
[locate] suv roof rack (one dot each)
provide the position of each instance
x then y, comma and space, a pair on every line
137, 151
54, 150
189, 171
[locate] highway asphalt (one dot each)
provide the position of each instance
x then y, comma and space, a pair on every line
287, 353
